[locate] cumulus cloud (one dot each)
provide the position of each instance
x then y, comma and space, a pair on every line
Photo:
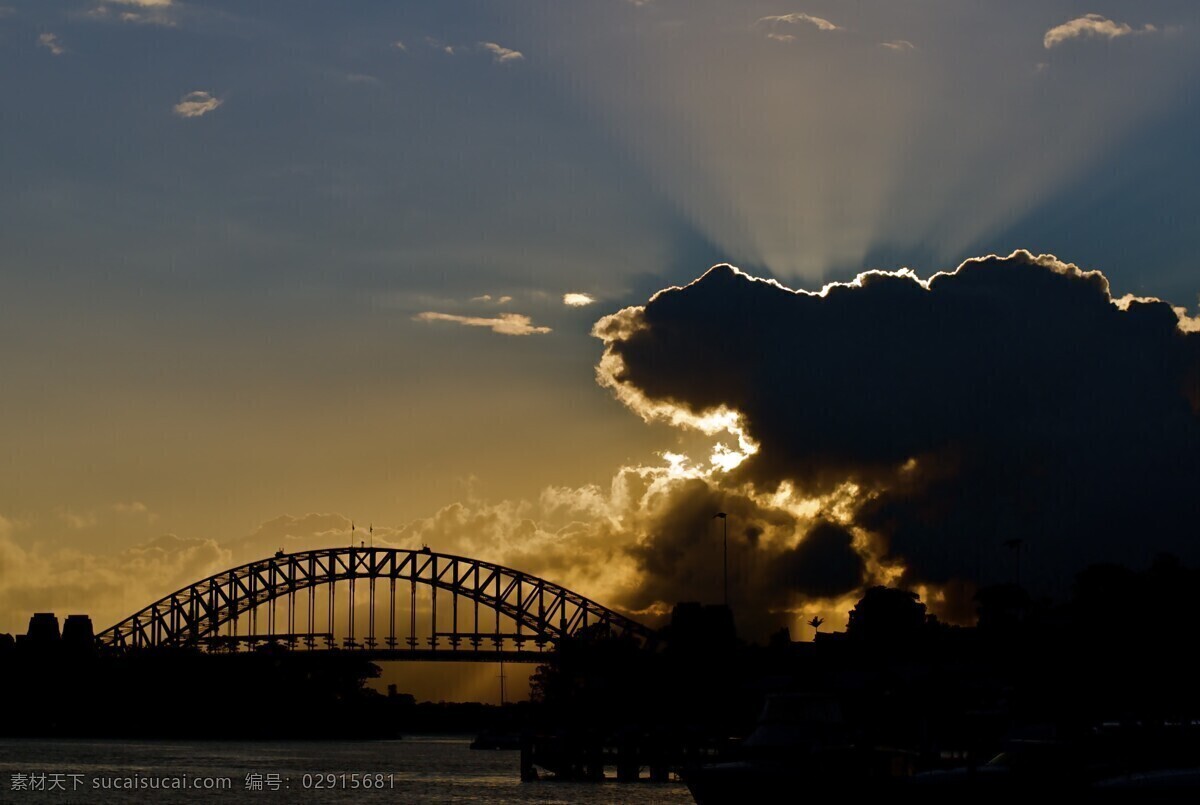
899, 45
578, 299
1090, 26
648, 540
504, 324
489, 299
197, 104
936, 419
501, 54
796, 18
51, 43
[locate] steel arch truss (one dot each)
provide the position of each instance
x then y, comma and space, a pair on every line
542, 612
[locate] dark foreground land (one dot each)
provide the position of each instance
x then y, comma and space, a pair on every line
1097, 694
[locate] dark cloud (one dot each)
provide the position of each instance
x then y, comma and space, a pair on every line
679, 555
1009, 398
823, 565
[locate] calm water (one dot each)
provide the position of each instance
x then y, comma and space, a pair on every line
412, 770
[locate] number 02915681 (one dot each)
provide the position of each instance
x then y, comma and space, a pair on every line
348, 781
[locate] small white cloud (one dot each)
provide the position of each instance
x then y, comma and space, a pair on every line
488, 298
500, 54
578, 299
797, 18
50, 42
1090, 26
146, 12
197, 104
898, 45
399, 45
504, 324
439, 45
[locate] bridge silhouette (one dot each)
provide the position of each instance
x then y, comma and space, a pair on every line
488, 612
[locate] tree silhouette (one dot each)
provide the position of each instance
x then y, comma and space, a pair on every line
887, 614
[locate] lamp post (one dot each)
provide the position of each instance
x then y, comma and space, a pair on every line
724, 553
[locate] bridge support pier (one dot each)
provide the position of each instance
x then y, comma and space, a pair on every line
528, 770
628, 768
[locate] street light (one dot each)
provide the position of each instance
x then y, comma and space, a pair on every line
724, 553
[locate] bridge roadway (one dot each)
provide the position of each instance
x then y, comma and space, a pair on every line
435, 655
448, 648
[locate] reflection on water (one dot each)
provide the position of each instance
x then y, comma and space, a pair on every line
418, 769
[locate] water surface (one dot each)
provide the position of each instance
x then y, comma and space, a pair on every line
416, 769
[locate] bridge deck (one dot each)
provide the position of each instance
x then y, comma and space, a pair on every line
426, 655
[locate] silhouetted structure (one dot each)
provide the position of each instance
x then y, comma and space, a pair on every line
700, 627
43, 629
77, 634
275, 600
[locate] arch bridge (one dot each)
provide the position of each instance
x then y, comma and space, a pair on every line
366, 600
